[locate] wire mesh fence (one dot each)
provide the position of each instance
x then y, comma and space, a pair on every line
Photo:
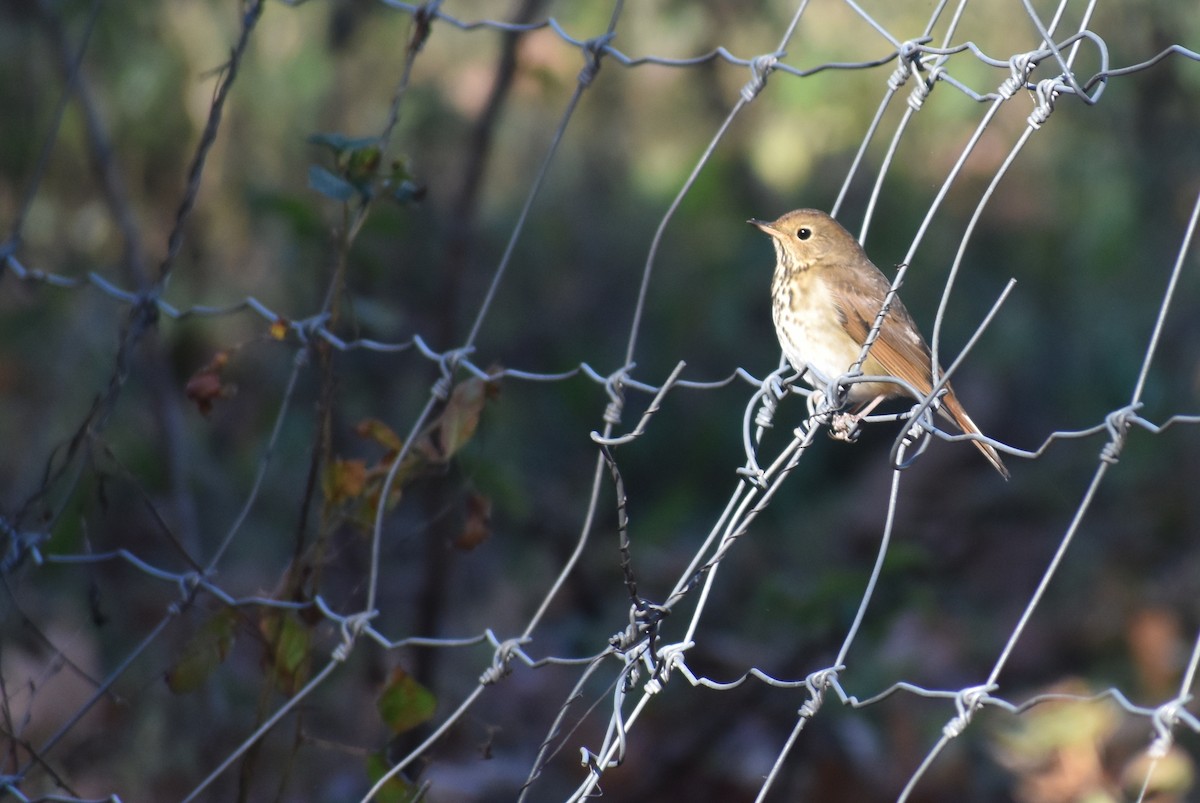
391, 408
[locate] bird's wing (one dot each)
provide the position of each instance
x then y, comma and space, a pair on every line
900, 350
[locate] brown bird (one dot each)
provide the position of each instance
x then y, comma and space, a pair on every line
825, 297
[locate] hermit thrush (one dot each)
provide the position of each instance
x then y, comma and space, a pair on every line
825, 297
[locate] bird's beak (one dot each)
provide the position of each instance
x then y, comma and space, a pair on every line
764, 225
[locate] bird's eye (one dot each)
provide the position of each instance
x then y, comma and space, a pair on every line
803, 233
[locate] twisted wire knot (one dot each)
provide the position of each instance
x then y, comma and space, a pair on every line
621, 642
766, 411
593, 49
1117, 423
188, 583
908, 63
968, 701
921, 90
1166, 717
1021, 65
910, 52
822, 679
614, 386
309, 327
817, 683
448, 363
899, 76
668, 658
632, 634
350, 626
760, 68
501, 660
1047, 92
773, 391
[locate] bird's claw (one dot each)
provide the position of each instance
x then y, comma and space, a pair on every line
845, 427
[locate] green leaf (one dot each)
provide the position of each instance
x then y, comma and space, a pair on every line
289, 644
205, 651
330, 185
398, 789
362, 165
404, 703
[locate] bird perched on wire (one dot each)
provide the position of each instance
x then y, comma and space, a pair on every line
825, 297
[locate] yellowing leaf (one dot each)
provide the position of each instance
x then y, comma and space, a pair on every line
279, 328
404, 703
375, 430
1170, 777
205, 651
343, 480
459, 420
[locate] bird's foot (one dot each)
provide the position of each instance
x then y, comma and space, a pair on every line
845, 427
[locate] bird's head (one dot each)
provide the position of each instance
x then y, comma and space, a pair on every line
807, 237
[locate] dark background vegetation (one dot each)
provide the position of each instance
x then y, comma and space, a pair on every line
1089, 221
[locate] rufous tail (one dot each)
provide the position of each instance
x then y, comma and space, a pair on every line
955, 412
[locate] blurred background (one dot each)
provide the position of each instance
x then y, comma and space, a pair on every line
122, 433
